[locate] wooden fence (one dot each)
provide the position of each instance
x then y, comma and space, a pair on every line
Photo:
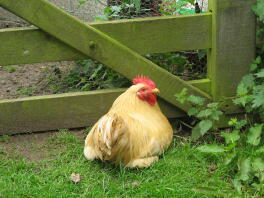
227, 31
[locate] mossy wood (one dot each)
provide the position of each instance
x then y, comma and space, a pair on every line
233, 45
99, 46
145, 35
70, 110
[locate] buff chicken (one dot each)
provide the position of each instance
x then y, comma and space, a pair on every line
134, 131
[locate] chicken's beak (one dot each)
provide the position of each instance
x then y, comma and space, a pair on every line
155, 91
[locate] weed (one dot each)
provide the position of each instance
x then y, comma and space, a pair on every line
9, 68
242, 150
4, 138
87, 75
63, 137
28, 91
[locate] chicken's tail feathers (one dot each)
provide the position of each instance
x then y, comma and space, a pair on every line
110, 128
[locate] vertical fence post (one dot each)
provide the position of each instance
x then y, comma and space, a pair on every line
233, 45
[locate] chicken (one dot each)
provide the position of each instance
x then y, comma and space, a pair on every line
134, 131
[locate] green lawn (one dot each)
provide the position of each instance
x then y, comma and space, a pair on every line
176, 174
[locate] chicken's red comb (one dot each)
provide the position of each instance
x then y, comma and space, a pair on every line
144, 80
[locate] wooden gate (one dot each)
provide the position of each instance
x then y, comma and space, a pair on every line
227, 31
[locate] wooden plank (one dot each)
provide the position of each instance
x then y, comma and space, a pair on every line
233, 45
99, 46
31, 45
202, 84
71, 110
161, 34
145, 35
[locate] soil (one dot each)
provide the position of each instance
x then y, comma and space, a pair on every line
30, 79
35, 146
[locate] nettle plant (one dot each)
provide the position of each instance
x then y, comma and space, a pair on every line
208, 114
243, 148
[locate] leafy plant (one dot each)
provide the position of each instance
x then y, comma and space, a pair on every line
122, 11
243, 148
258, 9
208, 114
4, 138
28, 91
9, 68
187, 65
250, 91
243, 153
87, 75
169, 7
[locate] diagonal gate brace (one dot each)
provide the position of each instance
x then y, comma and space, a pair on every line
99, 46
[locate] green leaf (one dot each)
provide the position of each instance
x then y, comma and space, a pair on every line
240, 124
258, 100
201, 128
229, 158
205, 125
137, 4
204, 113
260, 150
82, 2
182, 96
192, 111
231, 137
107, 10
101, 18
230, 146
232, 121
258, 164
211, 148
243, 100
258, 59
259, 9
196, 100
253, 137
244, 167
237, 185
213, 105
253, 67
242, 89
216, 114
260, 74
258, 167
165, 13
248, 81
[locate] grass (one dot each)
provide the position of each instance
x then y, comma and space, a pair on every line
176, 174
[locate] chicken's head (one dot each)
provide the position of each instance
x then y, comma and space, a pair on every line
147, 91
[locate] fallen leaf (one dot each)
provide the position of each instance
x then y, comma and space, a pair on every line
135, 183
75, 177
212, 168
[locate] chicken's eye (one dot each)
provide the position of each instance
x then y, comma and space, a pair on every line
143, 89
